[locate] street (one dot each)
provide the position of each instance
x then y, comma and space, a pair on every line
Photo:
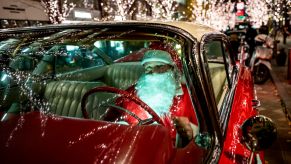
272, 106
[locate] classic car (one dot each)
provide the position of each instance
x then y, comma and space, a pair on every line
61, 113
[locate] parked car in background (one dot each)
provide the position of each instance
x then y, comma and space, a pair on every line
61, 113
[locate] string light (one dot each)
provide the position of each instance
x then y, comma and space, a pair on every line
164, 10
278, 8
258, 12
218, 15
56, 10
139, 10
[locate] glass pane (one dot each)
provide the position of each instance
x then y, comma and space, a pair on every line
53, 71
214, 53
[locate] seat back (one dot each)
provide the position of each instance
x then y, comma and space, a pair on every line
119, 75
64, 98
123, 75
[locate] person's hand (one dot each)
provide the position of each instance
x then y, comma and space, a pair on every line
183, 127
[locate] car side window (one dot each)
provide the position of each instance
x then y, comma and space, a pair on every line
116, 49
216, 63
68, 59
75, 57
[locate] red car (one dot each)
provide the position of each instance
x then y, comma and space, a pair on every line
71, 107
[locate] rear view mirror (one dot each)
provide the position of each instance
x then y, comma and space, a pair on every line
258, 133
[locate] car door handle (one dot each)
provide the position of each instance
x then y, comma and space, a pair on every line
256, 103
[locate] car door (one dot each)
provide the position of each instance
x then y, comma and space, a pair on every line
221, 75
240, 109
232, 89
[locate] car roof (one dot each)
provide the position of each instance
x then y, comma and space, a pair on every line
195, 29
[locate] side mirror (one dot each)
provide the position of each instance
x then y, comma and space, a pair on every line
258, 133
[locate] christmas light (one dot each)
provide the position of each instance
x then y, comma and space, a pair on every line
217, 14
257, 11
214, 14
139, 10
57, 10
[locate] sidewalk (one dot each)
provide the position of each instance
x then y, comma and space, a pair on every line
279, 76
277, 98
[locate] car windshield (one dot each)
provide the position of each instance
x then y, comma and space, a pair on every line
53, 72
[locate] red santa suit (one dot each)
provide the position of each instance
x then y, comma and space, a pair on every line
181, 107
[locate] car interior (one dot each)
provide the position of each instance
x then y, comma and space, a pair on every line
67, 71
64, 96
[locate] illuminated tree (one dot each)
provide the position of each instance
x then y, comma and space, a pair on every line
57, 10
163, 10
258, 12
138, 9
218, 15
116, 9
276, 8
221, 15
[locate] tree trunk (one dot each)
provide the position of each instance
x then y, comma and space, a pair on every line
60, 12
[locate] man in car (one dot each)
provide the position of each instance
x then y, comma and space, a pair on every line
160, 87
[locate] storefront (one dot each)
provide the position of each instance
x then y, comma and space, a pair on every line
21, 13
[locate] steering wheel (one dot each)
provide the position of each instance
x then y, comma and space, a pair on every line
124, 94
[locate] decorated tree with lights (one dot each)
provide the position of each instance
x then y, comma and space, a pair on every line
221, 15
258, 12
216, 14
279, 14
163, 10
199, 8
279, 9
116, 9
138, 9
57, 10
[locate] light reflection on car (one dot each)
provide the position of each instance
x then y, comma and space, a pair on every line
69, 104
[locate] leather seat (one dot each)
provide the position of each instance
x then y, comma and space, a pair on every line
123, 75
64, 98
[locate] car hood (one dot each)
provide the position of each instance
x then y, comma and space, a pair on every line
39, 138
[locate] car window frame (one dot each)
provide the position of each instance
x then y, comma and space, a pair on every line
232, 72
226, 106
223, 62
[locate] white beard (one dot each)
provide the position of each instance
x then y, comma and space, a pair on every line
157, 91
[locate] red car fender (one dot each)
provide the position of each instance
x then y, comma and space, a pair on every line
233, 149
38, 138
